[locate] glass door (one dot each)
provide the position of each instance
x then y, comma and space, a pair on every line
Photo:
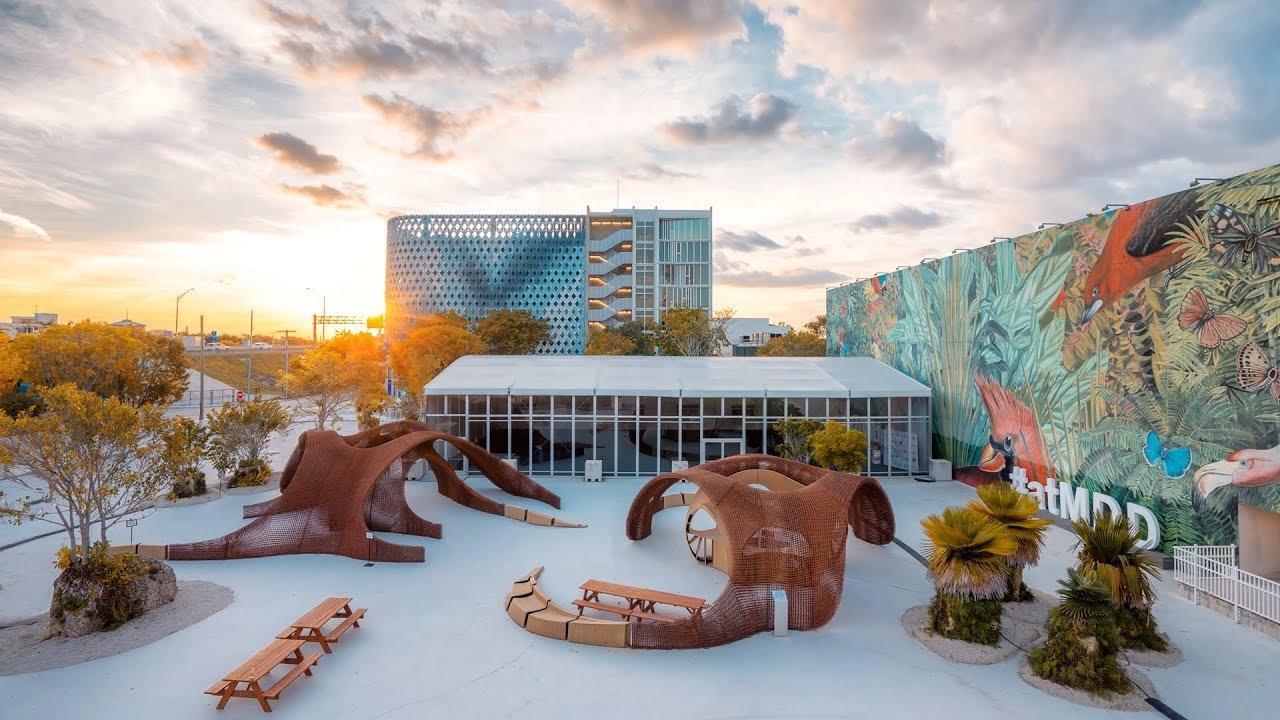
716, 448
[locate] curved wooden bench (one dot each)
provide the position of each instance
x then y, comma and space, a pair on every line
531, 609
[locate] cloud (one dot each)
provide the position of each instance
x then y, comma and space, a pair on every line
903, 219
185, 55
748, 241
782, 279
326, 195
730, 122
369, 46
653, 171
428, 126
899, 143
679, 25
23, 226
296, 21
297, 153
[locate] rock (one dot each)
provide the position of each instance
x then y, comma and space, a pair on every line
83, 604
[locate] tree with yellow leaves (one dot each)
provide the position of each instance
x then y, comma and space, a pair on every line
347, 370
430, 346
91, 459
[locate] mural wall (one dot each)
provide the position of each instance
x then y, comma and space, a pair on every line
1133, 352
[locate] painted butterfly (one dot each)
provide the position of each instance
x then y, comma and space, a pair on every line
1176, 461
1255, 371
1196, 316
1236, 238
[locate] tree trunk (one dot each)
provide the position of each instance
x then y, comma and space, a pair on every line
1016, 579
84, 537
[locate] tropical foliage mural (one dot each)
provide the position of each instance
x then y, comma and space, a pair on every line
1134, 352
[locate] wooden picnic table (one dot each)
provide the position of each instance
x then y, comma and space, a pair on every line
310, 627
251, 672
640, 601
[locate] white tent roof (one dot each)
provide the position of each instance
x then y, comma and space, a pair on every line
673, 376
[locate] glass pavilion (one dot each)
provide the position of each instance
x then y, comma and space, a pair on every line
638, 414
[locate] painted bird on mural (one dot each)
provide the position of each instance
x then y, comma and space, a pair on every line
1241, 468
1138, 246
1015, 440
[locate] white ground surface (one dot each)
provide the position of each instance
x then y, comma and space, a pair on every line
437, 643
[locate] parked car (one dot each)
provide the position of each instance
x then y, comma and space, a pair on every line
213, 346
261, 345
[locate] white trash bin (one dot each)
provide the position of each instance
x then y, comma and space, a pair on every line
593, 471
780, 613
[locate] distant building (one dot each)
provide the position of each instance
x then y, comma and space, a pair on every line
28, 324
127, 323
594, 270
746, 335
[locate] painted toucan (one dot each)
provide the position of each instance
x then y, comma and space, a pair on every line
1241, 468
1138, 246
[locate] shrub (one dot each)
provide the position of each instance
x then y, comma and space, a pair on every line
975, 621
250, 473
837, 447
1109, 549
113, 573
1083, 640
966, 554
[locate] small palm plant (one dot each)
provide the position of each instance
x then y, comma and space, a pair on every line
1017, 513
1083, 640
1109, 549
967, 555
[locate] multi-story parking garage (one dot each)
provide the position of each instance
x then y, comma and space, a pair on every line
574, 271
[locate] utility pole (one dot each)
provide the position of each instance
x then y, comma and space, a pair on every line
286, 356
248, 389
201, 368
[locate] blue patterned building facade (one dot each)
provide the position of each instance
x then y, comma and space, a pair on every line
575, 271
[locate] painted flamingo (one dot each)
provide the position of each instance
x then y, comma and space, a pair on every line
1241, 468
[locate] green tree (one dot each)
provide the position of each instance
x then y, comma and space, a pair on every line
136, 367
426, 349
818, 326
692, 332
609, 342
512, 332
794, 344
93, 458
796, 433
966, 554
1082, 639
239, 433
640, 333
186, 445
837, 447
1017, 513
1109, 549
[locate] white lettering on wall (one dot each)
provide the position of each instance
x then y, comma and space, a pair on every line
1074, 504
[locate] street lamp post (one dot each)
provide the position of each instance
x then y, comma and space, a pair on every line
175, 309
324, 312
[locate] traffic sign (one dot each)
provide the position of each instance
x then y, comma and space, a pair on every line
239, 396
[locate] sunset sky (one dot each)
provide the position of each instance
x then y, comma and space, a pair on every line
254, 149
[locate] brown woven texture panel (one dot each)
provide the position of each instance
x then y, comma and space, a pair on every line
792, 541
334, 489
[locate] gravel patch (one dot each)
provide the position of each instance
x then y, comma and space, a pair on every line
916, 622
1132, 701
23, 648
1153, 659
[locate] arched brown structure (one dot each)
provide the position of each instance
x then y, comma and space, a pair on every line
335, 489
789, 540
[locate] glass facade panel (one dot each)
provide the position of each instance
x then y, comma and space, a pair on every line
857, 407
647, 447
562, 405
899, 406
670, 406
541, 405
497, 404
583, 405
712, 406
648, 406
434, 405
920, 407
838, 408
690, 407
879, 407
605, 405
816, 407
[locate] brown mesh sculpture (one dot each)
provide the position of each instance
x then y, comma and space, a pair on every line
789, 536
785, 539
335, 489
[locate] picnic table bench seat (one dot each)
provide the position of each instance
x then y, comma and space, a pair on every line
310, 627
251, 672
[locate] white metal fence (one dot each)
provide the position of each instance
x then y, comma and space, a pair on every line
1212, 569
211, 397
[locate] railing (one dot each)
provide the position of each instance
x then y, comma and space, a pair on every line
211, 397
609, 288
1212, 569
606, 265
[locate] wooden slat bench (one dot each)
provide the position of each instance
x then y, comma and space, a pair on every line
310, 627
640, 601
252, 671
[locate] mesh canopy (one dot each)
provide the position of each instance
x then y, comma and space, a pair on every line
792, 540
334, 489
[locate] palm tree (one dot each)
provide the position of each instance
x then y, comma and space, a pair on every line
1017, 513
1109, 549
966, 554
1082, 642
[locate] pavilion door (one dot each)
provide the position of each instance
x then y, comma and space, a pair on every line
716, 448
